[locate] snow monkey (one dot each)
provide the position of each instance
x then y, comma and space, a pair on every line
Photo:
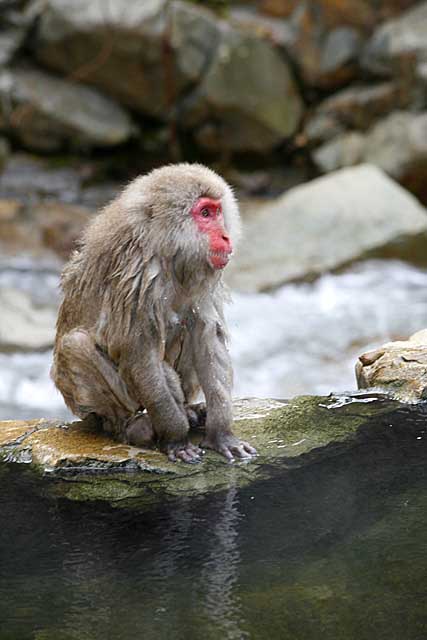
141, 328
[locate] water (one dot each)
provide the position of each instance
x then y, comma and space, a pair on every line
301, 339
331, 550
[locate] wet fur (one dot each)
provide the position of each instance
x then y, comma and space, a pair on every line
141, 323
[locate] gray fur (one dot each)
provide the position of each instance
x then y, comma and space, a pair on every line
141, 325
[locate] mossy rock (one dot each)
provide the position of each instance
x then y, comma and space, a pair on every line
79, 462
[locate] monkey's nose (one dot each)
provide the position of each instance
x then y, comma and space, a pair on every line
227, 241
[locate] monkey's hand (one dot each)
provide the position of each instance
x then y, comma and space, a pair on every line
185, 451
229, 446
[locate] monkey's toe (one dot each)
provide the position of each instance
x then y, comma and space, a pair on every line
188, 452
231, 447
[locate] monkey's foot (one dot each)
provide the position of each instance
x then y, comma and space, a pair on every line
229, 446
139, 431
196, 415
187, 452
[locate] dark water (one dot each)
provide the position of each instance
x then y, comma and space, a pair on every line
335, 549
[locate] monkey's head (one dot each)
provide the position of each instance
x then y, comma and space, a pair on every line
189, 211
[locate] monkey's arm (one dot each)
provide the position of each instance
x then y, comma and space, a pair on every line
214, 370
158, 389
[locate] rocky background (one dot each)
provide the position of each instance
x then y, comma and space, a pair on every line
271, 93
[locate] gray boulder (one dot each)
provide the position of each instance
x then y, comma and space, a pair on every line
46, 113
326, 224
400, 368
398, 44
143, 53
247, 100
397, 144
344, 150
165, 58
356, 107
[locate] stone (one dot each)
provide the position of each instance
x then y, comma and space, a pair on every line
4, 152
146, 54
341, 48
47, 228
60, 226
30, 178
47, 113
356, 107
398, 368
326, 224
363, 13
324, 49
23, 325
247, 100
84, 464
397, 144
346, 150
398, 44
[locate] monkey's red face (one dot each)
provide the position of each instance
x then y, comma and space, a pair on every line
208, 216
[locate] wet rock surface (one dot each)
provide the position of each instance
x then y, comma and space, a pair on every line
399, 367
325, 224
82, 463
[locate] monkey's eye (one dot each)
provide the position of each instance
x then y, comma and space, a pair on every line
205, 213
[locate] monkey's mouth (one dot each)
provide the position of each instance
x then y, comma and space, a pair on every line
219, 259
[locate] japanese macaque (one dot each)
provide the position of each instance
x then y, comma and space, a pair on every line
141, 328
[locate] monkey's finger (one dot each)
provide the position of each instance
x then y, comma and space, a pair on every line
240, 451
249, 448
188, 456
226, 451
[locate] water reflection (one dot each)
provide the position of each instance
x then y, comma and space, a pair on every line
335, 549
220, 572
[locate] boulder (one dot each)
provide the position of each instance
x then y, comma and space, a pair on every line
324, 45
15, 22
326, 224
30, 178
25, 326
397, 45
47, 113
83, 463
233, 86
344, 150
356, 107
363, 13
46, 228
247, 100
399, 368
146, 54
4, 153
397, 144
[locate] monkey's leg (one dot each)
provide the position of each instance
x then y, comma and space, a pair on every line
159, 390
213, 366
196, 411
90, 383
174, 384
